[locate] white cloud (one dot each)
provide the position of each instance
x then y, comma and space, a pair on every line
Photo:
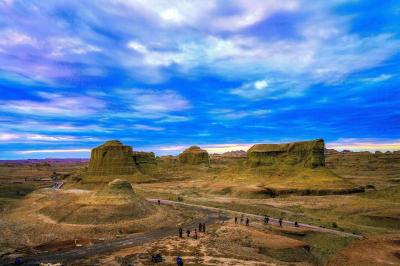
260, 84
172, 15
155, 58
8, 136
49, 138
209, 14
147, 128
153, 103
319, 46
174, 119
53, 104
231, 114
251, 12
23, 137
61, 46
55, 151
13, 38
32, 125
380, 78
138, 47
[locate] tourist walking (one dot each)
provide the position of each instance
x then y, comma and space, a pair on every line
266, 219
180, 232
179, 261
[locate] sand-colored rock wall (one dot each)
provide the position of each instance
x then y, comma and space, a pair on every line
111, 158
308, 154
194, 156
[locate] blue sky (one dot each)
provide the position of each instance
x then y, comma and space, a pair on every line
163, 75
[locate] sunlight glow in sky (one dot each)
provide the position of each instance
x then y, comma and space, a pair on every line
163, 75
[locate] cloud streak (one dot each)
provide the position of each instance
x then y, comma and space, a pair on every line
54, 104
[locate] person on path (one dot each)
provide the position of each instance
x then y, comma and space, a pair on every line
280, 222
204, 227
195, 233
247, 221
200, 227
188, 233
241, 219
179, 261
235, 220
296, 224
266, 219
180, 232
159, 202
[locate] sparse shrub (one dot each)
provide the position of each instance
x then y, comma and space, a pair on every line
180, 198
334, 225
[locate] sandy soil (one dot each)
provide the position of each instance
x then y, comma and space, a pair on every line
374, 250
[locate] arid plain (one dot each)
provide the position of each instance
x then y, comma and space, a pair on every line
105, 211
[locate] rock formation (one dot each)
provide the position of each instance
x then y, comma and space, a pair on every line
194, 155
111, 158
309, 154
143, 158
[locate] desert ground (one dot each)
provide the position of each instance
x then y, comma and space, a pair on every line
65, 211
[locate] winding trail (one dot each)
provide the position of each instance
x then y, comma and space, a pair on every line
131, 240
212, 215
260, 217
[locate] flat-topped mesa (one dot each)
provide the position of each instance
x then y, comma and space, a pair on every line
111, 158
194, 155
309, 154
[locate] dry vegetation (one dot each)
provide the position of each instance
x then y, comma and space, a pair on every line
50, 219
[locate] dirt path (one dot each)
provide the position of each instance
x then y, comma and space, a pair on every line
261, 218
212, 215
117, 244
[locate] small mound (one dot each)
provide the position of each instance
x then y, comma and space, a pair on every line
116, 202
118, 187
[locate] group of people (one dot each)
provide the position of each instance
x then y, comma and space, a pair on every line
202, 228
241, 220
266, 221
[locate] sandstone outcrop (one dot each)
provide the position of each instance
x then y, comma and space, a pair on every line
309, 154
194, 156
111, 158
143, 158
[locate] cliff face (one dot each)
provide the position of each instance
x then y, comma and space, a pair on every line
309, 154
194, 155
143, 158
111, 158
